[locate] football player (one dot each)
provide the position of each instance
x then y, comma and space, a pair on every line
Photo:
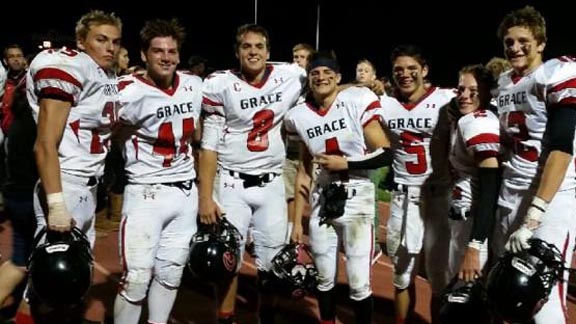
537, 109
160, 111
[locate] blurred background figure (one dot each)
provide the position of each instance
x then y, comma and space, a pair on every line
498, 65
301, 52
197, 66
122, 62
365, 71
19, 176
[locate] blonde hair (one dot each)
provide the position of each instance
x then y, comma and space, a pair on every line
497, 65
95, 18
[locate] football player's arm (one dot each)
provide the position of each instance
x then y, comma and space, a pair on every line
376, 140
488, 188
207, 165
197, 145
52, 118
301, 192
560, 129
209, 210
560, 126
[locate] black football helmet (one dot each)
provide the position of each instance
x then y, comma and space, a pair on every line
293, 272
464, 302
519, 283
60, 269
215, 252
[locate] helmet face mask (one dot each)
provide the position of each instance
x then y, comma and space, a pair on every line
294, 273
215, 252
519, 283
61, 268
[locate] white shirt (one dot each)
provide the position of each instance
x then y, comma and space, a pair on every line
75, 77
475, 138
243, 121
522, 106
160, 151
337, 130
412, 126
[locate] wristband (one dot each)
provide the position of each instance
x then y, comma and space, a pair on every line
537, 208
475, 244
57, 197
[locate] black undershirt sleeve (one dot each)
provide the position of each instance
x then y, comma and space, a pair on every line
377, 159
560, 128
488, 188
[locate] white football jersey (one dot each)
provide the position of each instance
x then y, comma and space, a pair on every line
475, 138
165, 121
3, 77
74, 76
248, 136
412, 126
522, 107
337, 130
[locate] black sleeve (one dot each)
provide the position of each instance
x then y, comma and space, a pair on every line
377, 159
560, 128
485, 206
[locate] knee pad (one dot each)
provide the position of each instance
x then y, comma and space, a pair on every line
402, 280
325, 284
135, 285
404, 270
169, 276
360, 293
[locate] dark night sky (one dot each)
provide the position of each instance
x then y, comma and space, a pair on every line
452, 36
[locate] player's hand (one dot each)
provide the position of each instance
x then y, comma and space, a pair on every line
331, 162
297, 234
376, 86
209, 211
470, 268
518, 241
59, 219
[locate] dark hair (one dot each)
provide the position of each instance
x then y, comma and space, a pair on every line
527, 17
12, 46
251, 28
196, 60
484, 78
410, 50
161, 28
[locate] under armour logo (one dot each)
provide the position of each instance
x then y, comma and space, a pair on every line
83, 199
188, 88
150, 196
228, 185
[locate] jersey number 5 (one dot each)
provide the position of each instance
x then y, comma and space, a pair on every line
412, 144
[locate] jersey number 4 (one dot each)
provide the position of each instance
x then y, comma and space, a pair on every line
165, 144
